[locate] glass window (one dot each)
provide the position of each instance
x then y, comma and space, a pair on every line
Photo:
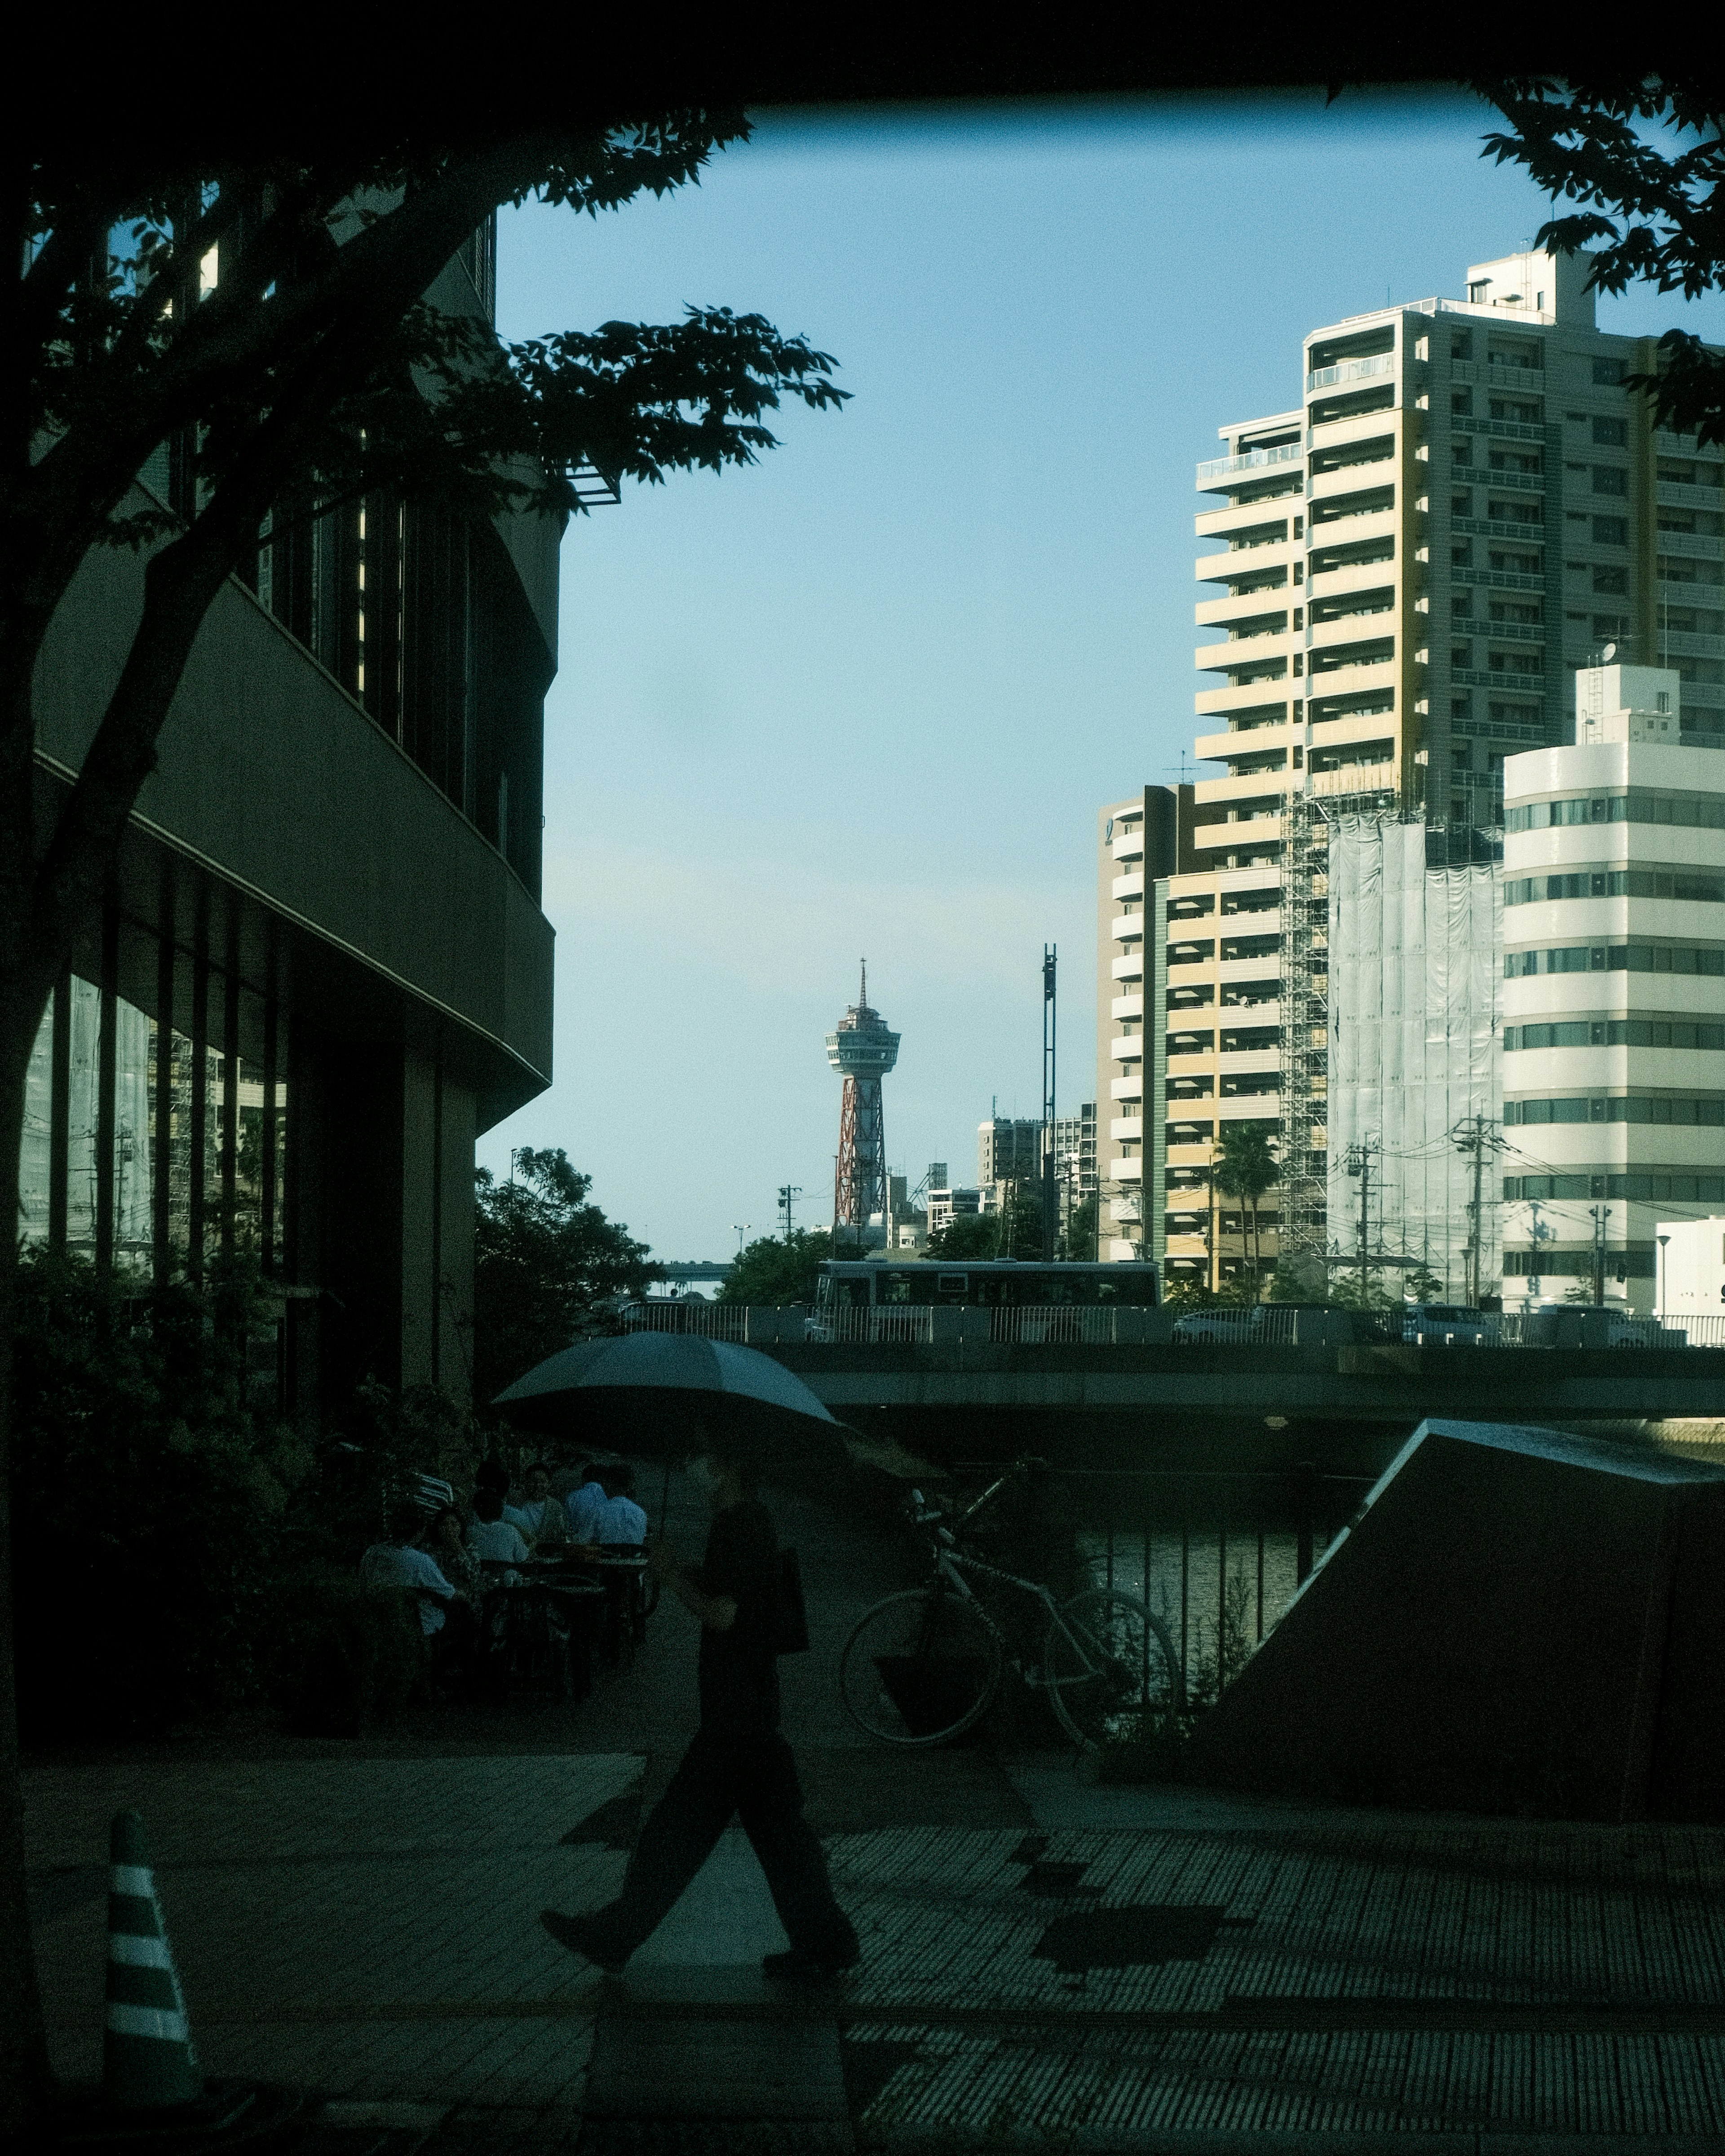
35, 1154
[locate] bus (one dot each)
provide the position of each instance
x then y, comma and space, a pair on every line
880, 1285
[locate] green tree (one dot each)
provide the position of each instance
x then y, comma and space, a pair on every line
544, 1262
775, 1271
1645, 153
967, 1235
1245, 1167
262, 318
1083, 1225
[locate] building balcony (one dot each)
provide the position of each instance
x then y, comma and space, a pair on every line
1127, 927
1381, 674
1128, 845
1352, 576
1126, 1127
1376, 777
1127, 1088
1125, 1211
1243, 833
1245, 606
1350, 370
1333, 486
1123, 1170
1239, 560
1669, 494
1127, 1048
1262, 658
1243, 788
1243, 516
1688, 644
1238, 741
1697, 546
1129, 885
1127, 1007
1254, 699
1216, 474
1234, 1060
1128, 968
1349, 728
1267, 969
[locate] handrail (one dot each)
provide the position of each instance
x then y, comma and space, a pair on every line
1252, 461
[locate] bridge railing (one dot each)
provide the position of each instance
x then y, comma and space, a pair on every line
1266, 1325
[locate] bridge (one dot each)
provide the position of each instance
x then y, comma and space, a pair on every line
1347, 1382
682, 1271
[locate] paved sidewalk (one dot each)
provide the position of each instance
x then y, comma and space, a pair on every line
1042, 1957
372, 1930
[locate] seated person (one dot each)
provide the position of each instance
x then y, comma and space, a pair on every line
540, 1516
459, 1564
586, 1501
621, 1520
490, 1536
444, 1618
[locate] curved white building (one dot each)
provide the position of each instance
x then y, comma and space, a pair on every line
1614, 994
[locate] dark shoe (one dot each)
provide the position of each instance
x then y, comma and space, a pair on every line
795, 1968
578, 1934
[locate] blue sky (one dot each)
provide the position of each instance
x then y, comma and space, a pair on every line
865, 697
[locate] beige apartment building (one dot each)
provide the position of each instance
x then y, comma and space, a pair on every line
1404, 571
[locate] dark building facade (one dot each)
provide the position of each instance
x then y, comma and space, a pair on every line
322, 970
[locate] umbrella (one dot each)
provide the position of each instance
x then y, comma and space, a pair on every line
654, 1388
697, 1374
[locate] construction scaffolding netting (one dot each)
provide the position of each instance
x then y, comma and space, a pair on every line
1415, 1077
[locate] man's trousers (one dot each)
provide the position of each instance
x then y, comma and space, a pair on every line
724, 1775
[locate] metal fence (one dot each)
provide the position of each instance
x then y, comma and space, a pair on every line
1217, 1556
1266, 1325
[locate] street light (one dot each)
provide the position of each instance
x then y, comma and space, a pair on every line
1659, 1285
742, 1228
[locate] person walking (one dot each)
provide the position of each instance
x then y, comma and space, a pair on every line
739, 1763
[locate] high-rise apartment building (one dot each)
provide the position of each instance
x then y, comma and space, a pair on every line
1613, 993
1407, 568
1008, 1149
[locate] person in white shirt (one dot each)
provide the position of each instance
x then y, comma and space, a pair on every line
492, 1537
540, 1516
446, 1621
622, 1519
585, 1502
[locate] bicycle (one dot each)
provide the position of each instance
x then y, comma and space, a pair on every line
923, 1665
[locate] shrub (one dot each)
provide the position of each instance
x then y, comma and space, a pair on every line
147, 1500
348, 1660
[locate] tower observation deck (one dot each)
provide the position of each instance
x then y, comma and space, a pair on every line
862, 1050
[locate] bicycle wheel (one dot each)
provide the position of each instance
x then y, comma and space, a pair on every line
1110, 1667
920, 1668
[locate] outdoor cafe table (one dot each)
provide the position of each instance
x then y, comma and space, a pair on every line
538, 1582
623, 1565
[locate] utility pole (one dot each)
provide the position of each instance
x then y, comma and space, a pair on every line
1470, 1137
1600, 1215
1359, 1163
1051, 1200
787, 1192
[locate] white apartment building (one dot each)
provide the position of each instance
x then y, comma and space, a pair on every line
1613, 990
1406, 569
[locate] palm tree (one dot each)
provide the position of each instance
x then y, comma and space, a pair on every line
1245, 1167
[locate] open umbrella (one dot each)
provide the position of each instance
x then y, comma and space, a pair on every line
645, 1394
681, 1373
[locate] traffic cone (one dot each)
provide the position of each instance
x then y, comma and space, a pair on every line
147, 2060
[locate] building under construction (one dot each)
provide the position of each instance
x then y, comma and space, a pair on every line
1415, 1077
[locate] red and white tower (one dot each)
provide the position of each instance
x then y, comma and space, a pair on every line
863, 1051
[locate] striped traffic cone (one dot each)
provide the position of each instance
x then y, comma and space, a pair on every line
147, 2061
